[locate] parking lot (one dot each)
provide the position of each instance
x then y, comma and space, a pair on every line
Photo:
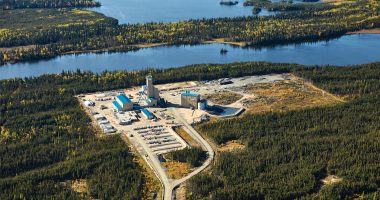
156, 135
159, 139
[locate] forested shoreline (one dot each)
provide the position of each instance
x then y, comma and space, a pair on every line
322, 23
18, 4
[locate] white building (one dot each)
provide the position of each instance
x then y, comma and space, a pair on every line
149, 93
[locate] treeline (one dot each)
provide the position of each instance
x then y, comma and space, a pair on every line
287, 154
39, 52
288, 6
46, 26
193, 156
298, 7
323, 23
17, 4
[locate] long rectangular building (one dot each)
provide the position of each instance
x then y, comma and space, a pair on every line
147, 114
123, 103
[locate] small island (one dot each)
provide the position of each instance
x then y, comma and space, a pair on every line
228, 3
223, 51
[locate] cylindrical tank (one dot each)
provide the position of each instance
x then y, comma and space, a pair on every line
202, 105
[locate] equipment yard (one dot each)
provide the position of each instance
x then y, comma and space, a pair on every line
157, 119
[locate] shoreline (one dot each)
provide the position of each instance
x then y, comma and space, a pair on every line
365, 31
148, 45
222, 41
117, 48
133, 47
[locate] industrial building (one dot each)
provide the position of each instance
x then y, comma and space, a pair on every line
202, 104
147, 114
126, 118
123, 103
150, 94
193, 100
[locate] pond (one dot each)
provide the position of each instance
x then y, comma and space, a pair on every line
347, 50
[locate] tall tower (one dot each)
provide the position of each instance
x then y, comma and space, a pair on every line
149, 86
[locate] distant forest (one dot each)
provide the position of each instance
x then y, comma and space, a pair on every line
17, 4
92, 31
46, 138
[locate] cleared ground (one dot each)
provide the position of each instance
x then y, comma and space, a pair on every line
177, 170
79, 186
331, 179
286, 95
181, 192
230, 146
185, 136
367, 31
224, 98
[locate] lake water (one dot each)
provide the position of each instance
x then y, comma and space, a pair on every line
143, 11
347, 50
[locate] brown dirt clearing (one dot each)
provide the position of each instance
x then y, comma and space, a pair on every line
79, 186
331, 179
181, 192
230, 146
4, 49
287, 95
366, 31
177, 170
224, 97
223, 41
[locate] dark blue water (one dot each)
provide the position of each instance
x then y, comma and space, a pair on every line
347, 50
143, 11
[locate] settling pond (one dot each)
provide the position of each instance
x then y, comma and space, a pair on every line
347, 50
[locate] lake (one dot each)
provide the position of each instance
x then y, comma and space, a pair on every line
143, 11
347, 50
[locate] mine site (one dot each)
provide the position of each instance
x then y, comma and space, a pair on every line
157, 119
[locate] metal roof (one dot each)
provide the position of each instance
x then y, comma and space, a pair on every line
117, 105
147, 113
189, 94
123, 98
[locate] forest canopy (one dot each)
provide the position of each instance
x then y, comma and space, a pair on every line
17, 4
96, 32
288, 154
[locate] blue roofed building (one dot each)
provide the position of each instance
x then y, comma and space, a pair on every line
190, 99
123, 103
147, 114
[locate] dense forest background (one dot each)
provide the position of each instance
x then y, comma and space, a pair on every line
46, 138
17, 4
94, 32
